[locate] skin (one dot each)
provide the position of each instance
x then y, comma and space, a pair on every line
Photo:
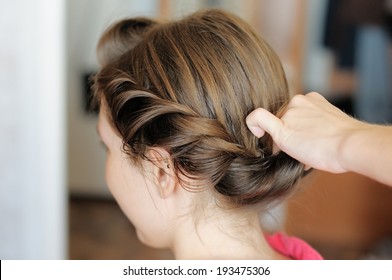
166, 215
134, 192
321, 136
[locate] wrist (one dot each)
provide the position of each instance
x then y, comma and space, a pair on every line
353, 140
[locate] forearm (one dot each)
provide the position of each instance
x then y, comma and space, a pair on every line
368, 150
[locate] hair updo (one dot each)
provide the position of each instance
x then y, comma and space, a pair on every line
187, 86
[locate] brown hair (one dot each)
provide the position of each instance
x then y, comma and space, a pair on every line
187, 86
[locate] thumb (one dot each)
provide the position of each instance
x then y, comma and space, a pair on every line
260, 121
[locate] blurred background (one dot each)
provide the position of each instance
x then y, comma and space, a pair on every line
54, 203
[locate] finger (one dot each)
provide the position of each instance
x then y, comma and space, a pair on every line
257, 131
307, 167
260, 121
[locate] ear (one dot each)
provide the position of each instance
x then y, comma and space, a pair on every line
162, 169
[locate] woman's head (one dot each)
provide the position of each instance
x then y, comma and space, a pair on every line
186, 87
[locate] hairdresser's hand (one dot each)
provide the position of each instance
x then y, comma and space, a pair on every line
311, 130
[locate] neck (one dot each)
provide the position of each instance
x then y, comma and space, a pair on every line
225, 234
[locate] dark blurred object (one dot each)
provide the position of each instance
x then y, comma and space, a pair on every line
357, 33
342, 21
344, 103
388, 21
88, 105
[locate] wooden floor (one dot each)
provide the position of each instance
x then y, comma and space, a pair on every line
99, 230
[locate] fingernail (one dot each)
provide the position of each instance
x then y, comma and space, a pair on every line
257, 131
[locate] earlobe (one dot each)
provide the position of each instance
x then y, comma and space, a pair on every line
163, 172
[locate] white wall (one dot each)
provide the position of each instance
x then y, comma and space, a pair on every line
32, 124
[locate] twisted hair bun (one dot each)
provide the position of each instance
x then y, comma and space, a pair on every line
187, 86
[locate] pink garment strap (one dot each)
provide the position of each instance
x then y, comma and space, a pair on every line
292, 247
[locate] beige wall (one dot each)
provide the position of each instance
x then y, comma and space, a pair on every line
343, 215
